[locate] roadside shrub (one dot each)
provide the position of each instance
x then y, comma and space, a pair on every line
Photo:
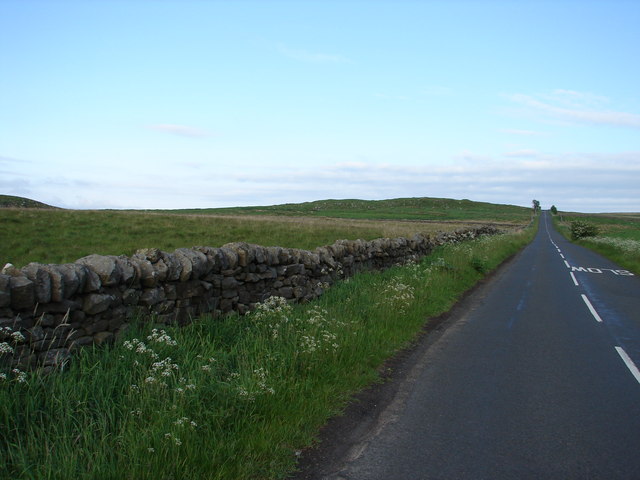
581, 229
480, 264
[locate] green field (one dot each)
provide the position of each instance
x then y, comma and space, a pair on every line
60, 236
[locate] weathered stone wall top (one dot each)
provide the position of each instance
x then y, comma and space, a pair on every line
61, 307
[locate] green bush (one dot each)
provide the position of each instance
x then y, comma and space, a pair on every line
581, 229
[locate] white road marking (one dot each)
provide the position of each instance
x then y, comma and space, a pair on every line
562, 256
573, 277
624, 273
567, 264
629, 363
591, 309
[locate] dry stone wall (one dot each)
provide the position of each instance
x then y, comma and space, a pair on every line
59, 308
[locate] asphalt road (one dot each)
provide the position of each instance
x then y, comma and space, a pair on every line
535, 379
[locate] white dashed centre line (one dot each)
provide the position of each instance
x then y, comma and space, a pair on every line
629, 363
567, 264
573, 277
591, 309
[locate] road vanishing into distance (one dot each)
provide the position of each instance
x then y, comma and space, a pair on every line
537, 379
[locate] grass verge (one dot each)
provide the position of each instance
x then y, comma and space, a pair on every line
618, 238
228, 398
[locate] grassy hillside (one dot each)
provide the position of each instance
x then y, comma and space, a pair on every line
9, 201
424, 208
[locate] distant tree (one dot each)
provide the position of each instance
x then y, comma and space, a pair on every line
536, 205
554, 210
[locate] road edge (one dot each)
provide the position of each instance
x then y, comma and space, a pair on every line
345, 435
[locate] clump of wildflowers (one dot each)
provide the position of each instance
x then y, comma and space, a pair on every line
272, 305
139, 347
273, 313
9, 333
631, 247
160, 336
5, 348
396, 295
186, 422
253, 385
18, 376
317, 332
9, 336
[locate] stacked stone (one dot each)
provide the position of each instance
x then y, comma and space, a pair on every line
59, 308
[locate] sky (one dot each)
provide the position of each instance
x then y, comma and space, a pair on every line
161, 104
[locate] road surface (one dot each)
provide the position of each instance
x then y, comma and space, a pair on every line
537, 379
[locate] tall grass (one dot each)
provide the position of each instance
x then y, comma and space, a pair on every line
228, 398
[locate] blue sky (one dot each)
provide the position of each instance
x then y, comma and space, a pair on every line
181, 104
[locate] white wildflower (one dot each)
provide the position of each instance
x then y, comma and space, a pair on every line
185, 421
160, 336
17, 337
171, 437
21, 377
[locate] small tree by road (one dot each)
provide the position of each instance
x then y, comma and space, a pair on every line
536, 206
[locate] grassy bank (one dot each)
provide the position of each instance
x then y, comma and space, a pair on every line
230, 398
618, 236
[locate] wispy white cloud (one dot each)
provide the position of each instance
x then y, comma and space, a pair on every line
575, 99
311, 57
576, 107
180, 130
